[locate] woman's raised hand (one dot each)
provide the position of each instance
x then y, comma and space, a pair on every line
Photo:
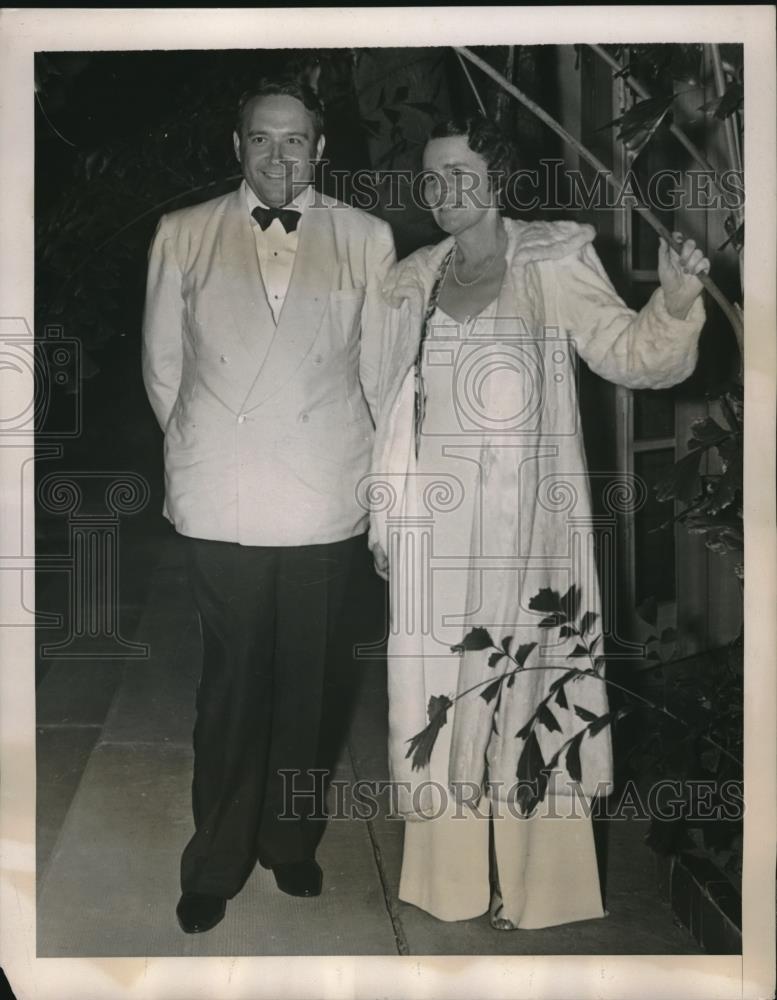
677, 270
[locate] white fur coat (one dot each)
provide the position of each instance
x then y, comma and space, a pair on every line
556, 302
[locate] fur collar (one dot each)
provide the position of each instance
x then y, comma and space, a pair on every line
527, 242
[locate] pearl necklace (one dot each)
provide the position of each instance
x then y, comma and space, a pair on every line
486, 269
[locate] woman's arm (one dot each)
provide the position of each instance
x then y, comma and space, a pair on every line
651, 349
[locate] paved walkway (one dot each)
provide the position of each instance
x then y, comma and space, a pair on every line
114, 769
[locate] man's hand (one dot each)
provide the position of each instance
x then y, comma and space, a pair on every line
381, 561
677, 272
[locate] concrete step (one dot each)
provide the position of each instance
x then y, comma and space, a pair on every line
112, 883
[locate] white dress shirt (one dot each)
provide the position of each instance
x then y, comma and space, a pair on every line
275, 248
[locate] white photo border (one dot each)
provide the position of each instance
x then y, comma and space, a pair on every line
25, 31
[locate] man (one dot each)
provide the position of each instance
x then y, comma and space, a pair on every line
261, 343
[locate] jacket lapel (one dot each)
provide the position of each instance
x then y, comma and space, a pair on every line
244, 289
303, 307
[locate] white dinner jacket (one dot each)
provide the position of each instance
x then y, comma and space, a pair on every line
268, 428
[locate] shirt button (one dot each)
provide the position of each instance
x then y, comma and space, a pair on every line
317, 359
223, 359
304, 418
241, 418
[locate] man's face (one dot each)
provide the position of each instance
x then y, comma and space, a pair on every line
277, 147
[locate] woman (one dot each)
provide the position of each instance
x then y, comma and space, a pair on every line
480, 502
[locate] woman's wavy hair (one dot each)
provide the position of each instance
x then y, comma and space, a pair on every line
489, 140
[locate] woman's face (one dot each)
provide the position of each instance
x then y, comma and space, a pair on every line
456, 184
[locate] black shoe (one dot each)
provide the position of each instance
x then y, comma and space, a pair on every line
198, 912
298, 878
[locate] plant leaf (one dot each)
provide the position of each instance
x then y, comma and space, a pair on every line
491, 691
683, 481
521, 654
641, 121
585, 715
422, 744
578, 651
736, 235
588, 621
706, 432
552, 620
477, 639
722, 107
601, 722
570, 602
561, 698
573, 759
494, 658
546, 600
548, 719
530, 772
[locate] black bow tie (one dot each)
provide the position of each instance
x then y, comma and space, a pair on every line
289, 217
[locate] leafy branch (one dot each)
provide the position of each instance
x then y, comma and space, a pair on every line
641, 121
532, 771
610, 178
646, 96
713, 502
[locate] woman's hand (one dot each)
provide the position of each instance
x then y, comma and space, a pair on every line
381, 561
677, 273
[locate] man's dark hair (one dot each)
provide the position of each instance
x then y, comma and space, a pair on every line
287, 87
487, 139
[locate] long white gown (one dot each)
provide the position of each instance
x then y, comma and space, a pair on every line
546, 865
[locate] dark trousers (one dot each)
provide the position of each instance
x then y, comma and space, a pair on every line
269, 618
